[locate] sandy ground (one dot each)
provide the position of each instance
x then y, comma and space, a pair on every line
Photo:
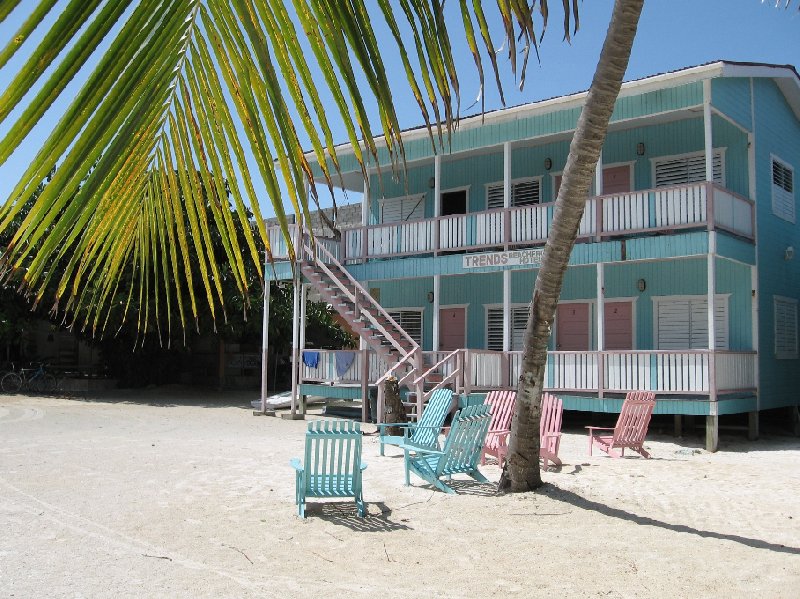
154, 495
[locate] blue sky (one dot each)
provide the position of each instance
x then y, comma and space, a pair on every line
672, 34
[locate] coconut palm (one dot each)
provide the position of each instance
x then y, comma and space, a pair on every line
195, 103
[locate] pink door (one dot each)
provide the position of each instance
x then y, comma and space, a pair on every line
617, 179
572, 327
452, 328
618, 317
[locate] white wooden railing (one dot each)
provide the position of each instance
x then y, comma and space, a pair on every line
665, 208
665, 372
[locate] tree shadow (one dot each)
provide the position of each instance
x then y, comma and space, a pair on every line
345, 514
578, 501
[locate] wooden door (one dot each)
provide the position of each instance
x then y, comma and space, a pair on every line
618, 319
572, 327
617, 179
452, 328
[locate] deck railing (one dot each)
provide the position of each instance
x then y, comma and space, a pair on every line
695, 205
689, 372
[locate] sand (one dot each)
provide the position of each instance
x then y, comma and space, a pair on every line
173, 494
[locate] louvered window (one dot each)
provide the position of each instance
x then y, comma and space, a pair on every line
494, 328
682, 323
524, 192
402, 209
686, 169
410, 321
785, 328
783, 190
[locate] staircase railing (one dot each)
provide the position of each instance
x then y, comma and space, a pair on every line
455, 373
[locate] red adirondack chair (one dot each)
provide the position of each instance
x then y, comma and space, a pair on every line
549, 431
502, 403
631, 428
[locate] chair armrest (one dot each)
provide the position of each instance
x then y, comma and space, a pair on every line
599, 428
499, 431
363, 466
295, 463
397, 424
421, 449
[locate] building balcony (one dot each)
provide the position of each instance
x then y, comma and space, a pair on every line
665, 209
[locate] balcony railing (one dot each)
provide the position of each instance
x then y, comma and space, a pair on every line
697, 205
689, 372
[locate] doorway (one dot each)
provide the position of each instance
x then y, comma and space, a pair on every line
452, 328
572, 327
618, 325
454, 202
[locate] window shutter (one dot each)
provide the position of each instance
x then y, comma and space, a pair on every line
403, 209
683, 324
783, 191
523, 193
785, 328
687, 169
519, 321
494, 329
410, 321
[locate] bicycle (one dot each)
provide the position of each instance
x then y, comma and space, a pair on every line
37, 380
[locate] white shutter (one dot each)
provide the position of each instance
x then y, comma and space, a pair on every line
410, 321
785, 328
519, 322
524, 192
494, 329
783, 190
403, 209
686, 169
683, 323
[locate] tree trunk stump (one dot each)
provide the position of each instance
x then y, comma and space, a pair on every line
393, 409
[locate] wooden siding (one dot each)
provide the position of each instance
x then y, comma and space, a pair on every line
732, 97
777, 131
736, 249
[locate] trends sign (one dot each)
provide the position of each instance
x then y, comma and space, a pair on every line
512, 258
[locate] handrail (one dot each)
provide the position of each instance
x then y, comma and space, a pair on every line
450, 377
389, 372
437, 365
358, 287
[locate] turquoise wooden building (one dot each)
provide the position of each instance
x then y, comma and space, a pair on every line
684, 280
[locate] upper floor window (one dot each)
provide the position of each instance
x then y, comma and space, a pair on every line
524, 192
785, 328
686, 168
782, 190
401, 209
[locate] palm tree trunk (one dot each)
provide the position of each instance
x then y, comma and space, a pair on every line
521, 472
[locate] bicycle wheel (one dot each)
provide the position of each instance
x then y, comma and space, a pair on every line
10, 383
47, 383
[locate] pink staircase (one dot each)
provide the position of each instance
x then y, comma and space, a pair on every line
367, 318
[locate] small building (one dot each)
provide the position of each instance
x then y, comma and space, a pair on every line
684, 280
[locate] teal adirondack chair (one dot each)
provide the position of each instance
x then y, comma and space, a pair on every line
332, 466
461, 452
425, 432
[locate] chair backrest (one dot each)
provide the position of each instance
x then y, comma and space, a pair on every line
634, 418
462, 450
333, 453
552, 412
502, 404
430, 423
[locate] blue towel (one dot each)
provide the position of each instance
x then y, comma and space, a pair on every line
344, 360
311, 358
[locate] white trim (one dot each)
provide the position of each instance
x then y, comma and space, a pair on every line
792, 303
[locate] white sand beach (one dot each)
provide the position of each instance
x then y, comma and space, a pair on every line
175, 494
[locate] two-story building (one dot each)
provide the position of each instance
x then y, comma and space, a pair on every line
684, 279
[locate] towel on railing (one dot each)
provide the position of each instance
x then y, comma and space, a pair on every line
344, 360
311, 358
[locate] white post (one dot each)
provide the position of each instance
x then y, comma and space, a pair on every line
265, 341
707, 130
437, 185
712, 328
303, 300
507, 175
506, 310
598, 176
437, 282
366, 205
295, 341
601, 292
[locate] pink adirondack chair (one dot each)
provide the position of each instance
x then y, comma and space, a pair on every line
631, 428
502, 403
549, 431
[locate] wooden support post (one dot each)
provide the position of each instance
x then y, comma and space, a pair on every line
265, 349
366, 409
712, 433
752, 425
678, 420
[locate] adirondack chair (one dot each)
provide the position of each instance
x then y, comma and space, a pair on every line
460, 454
502, 404
549, 432
424, 432
332, 466
631, 427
